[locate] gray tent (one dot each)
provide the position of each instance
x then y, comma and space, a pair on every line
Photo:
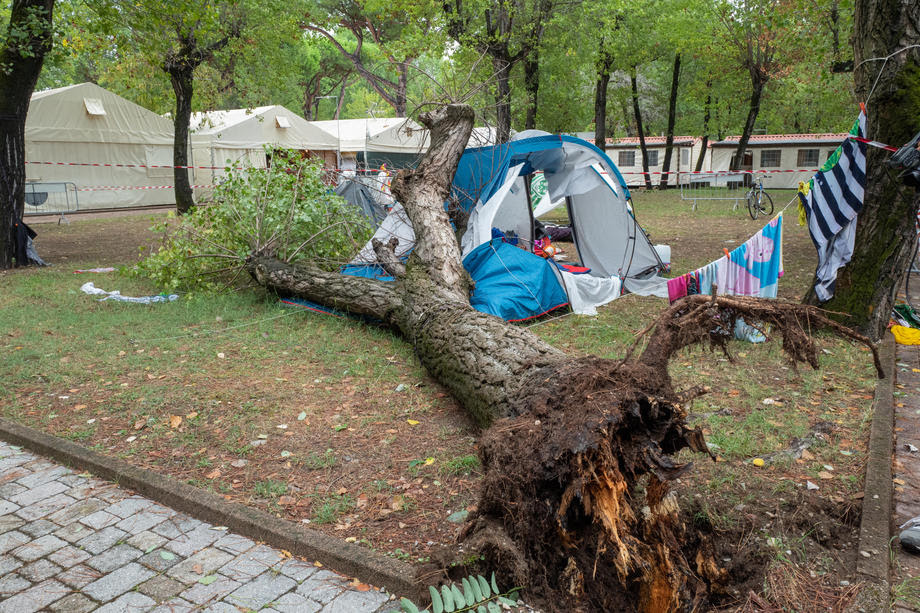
360, 195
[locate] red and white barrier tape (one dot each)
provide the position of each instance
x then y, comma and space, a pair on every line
103, 188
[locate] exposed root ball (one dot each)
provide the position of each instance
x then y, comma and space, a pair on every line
563, 483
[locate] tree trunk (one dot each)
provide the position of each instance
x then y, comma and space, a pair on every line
672, 111
885, 236
604, 65
704, 143
532, 87
757, 86
633, 80
181, 75
502, 68
21, 65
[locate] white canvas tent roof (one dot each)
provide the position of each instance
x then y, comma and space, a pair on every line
389, 134
86, 124
264, 125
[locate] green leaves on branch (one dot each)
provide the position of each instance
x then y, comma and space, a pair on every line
285, 210
476, 594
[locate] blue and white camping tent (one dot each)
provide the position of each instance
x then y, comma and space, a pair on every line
493, 184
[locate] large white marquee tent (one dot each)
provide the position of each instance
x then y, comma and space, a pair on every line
99, 147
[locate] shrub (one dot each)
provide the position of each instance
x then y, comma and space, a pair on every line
285, 210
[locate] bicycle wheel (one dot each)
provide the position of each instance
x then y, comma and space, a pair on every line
751, 205
765, 203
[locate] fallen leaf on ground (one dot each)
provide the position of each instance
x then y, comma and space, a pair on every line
807, 455
175, 421
413, 422
192, 415
825, 475
214, 474
140, 423
198, 569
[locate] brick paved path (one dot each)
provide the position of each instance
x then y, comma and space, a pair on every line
73, 543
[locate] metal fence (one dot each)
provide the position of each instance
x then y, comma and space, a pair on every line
51, 199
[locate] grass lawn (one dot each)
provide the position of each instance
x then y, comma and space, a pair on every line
334, 422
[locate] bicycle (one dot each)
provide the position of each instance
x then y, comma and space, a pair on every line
759, 202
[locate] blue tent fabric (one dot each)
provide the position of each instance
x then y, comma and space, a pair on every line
512, 283
482, 170
370, 271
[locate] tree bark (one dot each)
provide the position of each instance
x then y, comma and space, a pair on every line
182, 79
501, 66
753, 110
180, 65
633, 81
672, 111
885, 236
604, 66
20, 64
704, 143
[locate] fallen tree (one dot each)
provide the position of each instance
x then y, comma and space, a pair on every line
578, 452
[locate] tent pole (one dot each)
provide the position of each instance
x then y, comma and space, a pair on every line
533, 233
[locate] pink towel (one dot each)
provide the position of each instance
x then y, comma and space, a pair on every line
677, 288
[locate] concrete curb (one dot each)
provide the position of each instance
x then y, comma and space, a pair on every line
368, 566
875, 527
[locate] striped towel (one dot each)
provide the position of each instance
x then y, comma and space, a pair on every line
833, 201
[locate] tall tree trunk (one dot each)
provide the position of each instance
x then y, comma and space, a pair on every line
633, 80
604, 66
704, 143
502, 68
181, 75
672, 111
402, 85
20, 64
757, 86
532, 87
341, 99
885, 237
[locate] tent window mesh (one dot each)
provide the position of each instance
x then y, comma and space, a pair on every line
626, 158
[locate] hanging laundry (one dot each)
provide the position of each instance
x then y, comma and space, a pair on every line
754, 268
707, 276
804, 188
833, 201
677, 288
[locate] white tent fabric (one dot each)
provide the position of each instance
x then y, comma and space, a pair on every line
239, 136
482, 219
389, 134
396, 224
86, 124
587, 292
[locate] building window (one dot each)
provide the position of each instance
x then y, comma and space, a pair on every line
652, 157
770, 158
685, 157
807, 158
626, 158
